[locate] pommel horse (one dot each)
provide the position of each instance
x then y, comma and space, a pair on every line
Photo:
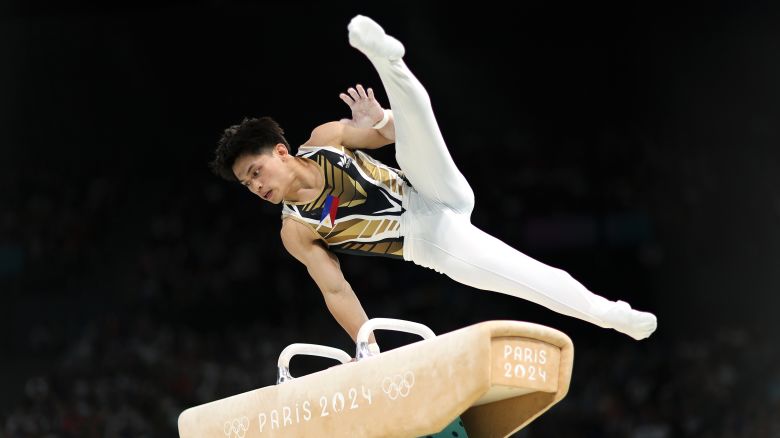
492, 378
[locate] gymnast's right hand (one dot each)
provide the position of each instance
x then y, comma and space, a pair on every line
366, 111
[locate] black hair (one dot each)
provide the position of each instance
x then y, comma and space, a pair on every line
251, 136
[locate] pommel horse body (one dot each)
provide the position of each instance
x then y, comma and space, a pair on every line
492, 378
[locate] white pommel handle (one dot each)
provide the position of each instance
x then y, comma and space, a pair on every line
399, 325
291, 350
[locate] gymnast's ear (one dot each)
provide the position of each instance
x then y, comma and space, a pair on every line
281, 150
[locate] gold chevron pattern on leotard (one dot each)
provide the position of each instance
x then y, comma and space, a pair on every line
350, 192
364, 194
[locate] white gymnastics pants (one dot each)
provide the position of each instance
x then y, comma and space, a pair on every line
437, 229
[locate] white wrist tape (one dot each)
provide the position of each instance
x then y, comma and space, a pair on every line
386, 118
373, 348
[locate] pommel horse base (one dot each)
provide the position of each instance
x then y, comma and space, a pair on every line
498, 376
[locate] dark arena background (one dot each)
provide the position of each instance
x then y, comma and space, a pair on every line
634, 145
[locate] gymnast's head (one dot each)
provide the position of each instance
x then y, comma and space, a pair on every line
255, 154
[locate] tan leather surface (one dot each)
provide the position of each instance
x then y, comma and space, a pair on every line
411, 391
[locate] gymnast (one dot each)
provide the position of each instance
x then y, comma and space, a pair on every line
337, 198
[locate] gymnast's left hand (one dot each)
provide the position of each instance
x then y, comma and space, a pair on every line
366, 111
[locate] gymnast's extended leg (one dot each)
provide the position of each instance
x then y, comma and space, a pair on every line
419, 146
450, 244
439, 234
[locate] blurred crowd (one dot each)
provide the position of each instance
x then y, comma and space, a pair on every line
126, 377
135, 298
639, 154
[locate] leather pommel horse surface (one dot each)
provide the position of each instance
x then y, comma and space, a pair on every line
497, 375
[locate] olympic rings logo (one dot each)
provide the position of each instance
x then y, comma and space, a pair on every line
398, 385
238, 426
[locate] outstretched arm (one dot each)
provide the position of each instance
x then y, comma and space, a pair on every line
324, 268
366, 111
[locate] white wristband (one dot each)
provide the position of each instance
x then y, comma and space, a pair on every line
373, 348
385, 118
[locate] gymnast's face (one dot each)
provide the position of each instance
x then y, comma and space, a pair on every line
266, 174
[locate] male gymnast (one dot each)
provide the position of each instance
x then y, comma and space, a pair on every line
336, 198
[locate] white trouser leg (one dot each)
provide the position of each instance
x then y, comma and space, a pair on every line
419, 146
443, 240
437, 230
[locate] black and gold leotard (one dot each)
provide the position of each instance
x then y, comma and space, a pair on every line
359, 209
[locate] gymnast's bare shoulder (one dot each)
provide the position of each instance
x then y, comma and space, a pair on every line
307, 247
296, 235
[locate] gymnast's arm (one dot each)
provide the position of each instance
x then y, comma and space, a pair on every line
324, 268
336, 133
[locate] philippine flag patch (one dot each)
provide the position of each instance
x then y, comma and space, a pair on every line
329, 209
